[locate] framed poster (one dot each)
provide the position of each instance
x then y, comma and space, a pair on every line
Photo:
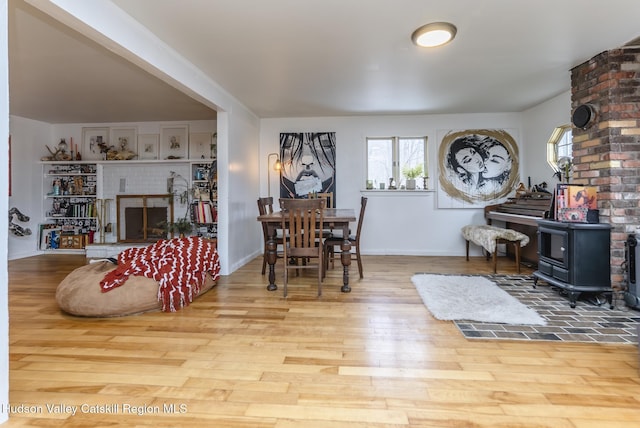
174, 142
476, 167
124, 139
200, 145
95, 143
148, 146
308, 163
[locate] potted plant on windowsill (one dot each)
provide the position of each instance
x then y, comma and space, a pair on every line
412, 174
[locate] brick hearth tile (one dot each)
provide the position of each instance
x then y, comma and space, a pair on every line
543, 336
585, 323
578, 337
509, 327
511, 335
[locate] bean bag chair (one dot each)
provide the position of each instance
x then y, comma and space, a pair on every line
165, 276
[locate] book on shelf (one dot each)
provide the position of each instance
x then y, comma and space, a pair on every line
204, 212
49, 236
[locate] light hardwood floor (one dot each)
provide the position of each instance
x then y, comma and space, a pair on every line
241, 356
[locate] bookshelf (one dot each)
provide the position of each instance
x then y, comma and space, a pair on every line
70, 215
204, 206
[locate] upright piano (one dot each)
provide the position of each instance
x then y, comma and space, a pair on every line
522, 213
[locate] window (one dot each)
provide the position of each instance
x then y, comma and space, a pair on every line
393, 157
560, 146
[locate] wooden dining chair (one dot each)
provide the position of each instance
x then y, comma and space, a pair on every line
328, 196
336, 241
302, 223
265, 206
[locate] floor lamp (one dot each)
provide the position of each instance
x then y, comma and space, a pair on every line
277, 166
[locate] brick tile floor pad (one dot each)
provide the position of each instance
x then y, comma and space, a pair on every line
587, 322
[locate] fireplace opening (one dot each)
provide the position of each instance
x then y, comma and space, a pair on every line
135, 228
143, 218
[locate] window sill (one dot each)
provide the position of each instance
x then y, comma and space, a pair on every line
395, 193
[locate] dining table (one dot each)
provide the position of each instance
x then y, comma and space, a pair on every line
334, 218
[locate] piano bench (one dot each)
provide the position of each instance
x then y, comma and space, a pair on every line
488, 237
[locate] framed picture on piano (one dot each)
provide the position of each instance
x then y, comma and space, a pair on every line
576, 203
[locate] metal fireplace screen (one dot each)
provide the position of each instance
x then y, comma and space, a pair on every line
143, 218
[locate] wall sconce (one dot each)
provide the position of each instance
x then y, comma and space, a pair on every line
277, 166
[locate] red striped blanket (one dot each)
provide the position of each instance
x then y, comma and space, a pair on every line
179, 265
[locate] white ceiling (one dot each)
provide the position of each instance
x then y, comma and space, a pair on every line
302, 58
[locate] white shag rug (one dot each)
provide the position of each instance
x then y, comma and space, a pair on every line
473, 298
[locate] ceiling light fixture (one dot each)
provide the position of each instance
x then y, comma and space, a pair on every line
434, 34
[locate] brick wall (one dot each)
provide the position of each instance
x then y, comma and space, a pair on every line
607, 153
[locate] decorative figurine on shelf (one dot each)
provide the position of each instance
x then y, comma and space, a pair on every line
540, 188
57, 155
62, 145
56, 187
64, 186
425, 182
392, 185
78, 186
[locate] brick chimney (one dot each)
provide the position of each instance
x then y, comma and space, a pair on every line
607, 153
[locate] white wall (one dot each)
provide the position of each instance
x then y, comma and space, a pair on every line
28, 140
394, 223
4, 276
537, 125
245, 233
397, 223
